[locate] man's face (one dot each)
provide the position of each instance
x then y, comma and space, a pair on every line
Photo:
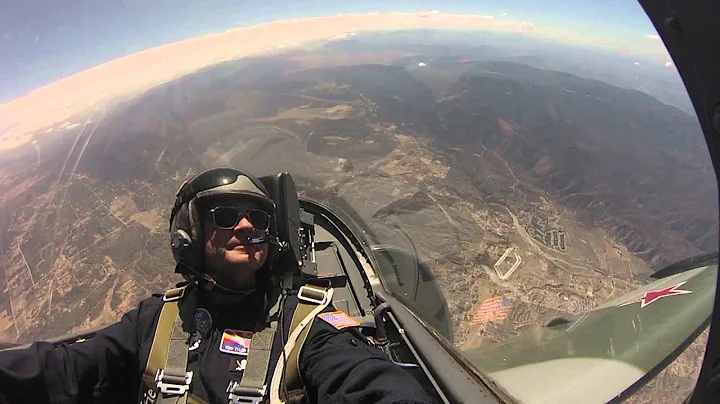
229, 258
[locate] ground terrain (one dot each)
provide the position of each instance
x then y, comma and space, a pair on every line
584, 189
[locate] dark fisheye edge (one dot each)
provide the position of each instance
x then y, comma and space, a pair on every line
690, 32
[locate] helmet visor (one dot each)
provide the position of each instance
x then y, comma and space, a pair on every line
213, 179
221, 183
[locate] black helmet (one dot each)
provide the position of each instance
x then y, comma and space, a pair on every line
186, 237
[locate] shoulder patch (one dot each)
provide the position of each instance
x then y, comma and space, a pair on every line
339, 319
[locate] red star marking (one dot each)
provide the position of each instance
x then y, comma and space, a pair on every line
655, 295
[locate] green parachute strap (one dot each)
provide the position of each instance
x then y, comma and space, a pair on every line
293, 380
169, 348
258, 360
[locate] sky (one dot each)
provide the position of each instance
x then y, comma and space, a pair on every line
42, 41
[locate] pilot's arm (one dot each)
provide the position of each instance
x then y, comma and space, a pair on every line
105, 366
339, 366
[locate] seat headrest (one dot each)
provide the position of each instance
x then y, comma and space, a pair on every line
281, 188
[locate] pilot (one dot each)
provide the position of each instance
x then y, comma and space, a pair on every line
228, 334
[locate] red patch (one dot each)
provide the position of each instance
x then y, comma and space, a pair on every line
655, 295
236, 342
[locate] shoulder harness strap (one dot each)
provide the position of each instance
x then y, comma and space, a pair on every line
309, 297
166, 378
312, 299
251, 387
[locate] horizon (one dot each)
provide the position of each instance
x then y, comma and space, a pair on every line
59, 42
631, 54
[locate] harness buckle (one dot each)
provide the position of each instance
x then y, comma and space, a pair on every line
312, 295
174, 294
245, 395
173, 384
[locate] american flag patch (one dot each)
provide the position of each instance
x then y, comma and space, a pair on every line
495, 309
339, 319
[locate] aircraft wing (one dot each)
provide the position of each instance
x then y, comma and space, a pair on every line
599, 355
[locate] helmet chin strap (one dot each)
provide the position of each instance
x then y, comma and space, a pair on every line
210, 284
207, 282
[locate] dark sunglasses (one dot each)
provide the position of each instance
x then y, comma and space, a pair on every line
227, 217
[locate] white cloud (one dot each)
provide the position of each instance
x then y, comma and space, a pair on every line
503, 14
668, 64
637, 63
654, 37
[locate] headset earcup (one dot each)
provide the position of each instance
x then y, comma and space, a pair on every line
182, 246
183, 239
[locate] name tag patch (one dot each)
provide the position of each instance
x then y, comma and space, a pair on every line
236, 342
339, 319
